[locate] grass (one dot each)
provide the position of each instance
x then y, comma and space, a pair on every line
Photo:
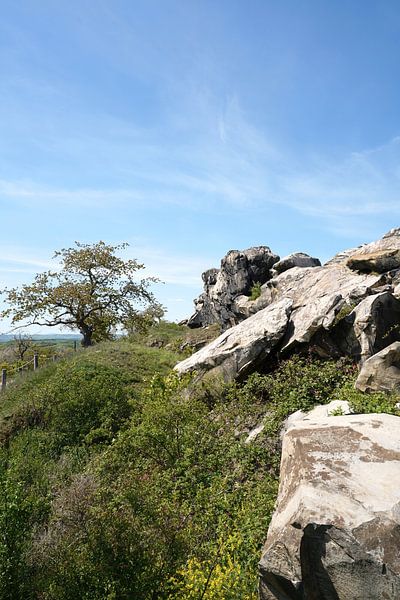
138, 364
117, 477
178, 338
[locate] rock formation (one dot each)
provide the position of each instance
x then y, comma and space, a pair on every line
241, 348
297, 259
381, 372
238, 273
335, 534
334, 309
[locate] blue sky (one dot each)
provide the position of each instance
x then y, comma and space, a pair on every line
189, 128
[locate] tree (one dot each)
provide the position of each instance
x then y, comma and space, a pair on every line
94, 291
22, 343
149, 317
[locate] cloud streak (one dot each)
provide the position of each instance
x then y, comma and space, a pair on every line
230, 165
169, 268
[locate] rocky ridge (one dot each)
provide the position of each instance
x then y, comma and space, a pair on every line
349, 306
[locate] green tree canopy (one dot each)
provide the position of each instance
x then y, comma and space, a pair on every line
93, 290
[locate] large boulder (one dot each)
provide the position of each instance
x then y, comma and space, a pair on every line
335, 533
297, 259
364, 330
242, 347
380, 261
381, 372
238, 273
390, 242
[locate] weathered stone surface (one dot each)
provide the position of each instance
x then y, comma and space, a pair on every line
318, 412
243, 346
322, 298
380, 261
341, 257
297, 259
362, 331
205, 313
370, 326
254, 433
335, 533
318, 294
389, 242
238, 273
315, 304
381, 372
396, 291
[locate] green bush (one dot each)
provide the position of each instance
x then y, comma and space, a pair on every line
255, 291
15, 511
376, 402
123, 480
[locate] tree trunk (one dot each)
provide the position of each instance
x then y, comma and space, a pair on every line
87, 334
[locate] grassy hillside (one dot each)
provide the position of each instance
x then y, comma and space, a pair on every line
121, 481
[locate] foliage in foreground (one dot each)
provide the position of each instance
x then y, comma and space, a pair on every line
119, 480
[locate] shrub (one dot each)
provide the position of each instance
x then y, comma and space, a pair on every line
255, 291
130, 482
376, 402
344, 312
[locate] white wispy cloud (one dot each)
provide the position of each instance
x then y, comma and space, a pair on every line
171, 268
22, 260
28, 192
230, 164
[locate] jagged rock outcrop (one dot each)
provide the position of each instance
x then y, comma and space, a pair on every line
380, 256
335, 310
369, 327
381, 372
238, 273
297, 259
389, 242
241, 347
335, 533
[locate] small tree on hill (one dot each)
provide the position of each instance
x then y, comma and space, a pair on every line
93, 291
22, 343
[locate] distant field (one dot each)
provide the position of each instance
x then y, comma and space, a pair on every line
46, 340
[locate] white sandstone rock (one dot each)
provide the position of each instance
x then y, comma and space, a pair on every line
335, 532
381, 372
231, 354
